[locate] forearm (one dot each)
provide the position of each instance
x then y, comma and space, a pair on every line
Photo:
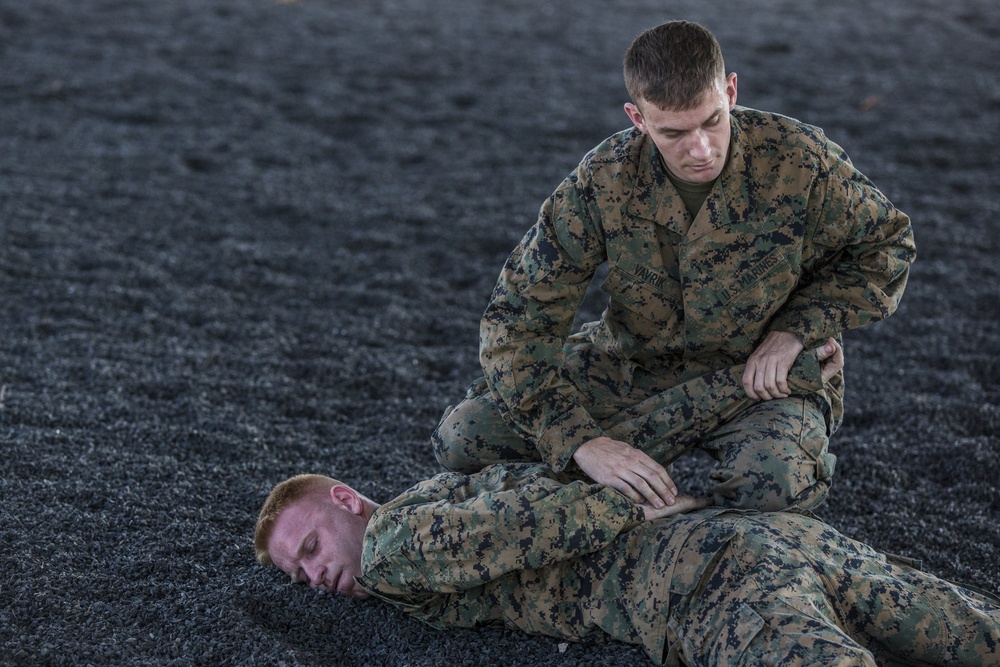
523, 366
666, 424
843, 298
528, 320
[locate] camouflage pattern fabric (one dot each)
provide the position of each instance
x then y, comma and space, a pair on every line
519, 545
770, 455
791, 238
791, 590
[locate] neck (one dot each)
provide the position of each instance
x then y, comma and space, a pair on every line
368, 507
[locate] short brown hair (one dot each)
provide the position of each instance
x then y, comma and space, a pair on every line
281, 496
673, 65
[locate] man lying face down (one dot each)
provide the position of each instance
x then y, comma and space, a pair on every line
561, 556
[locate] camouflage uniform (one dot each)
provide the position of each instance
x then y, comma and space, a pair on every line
573, 560
791, 238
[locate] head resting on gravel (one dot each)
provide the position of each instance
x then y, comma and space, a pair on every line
312, 527
280, 497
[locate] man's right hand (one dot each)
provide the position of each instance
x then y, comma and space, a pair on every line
627, 469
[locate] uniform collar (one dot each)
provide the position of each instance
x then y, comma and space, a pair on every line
654, 197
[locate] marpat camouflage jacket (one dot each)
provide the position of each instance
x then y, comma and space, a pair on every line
516, 545
791, 238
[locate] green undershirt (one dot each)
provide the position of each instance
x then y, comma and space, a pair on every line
693, 194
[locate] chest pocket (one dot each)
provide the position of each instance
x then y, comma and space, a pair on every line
657, 300
755, 293
641, 310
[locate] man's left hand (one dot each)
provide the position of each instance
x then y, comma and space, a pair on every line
766, 374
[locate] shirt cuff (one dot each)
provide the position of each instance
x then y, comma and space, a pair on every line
805, 376
561, 438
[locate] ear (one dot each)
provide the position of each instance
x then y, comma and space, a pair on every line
731, 90
346, 498
634, 115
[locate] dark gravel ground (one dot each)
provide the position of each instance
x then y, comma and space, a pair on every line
244, 240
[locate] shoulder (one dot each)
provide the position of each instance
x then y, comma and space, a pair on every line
613, 165
621, 150
763, 133
450, 488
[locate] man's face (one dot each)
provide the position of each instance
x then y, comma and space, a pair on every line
317, 540
694, 143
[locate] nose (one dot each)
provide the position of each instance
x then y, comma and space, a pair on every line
315, 573
700, 147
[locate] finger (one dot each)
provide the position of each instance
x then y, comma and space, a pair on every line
668, 480
827, 350
833, 364
626, 489
652, 490
656, 492
688, 503
771, 379
781, 381
684, 504
760, 384
656, 474
775, 379
779, 378
749, 377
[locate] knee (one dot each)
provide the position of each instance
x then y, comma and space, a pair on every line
473, 435
452, 449
772, 490
804, 492
778, 460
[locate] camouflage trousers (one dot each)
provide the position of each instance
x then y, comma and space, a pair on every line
788, 590
770, 455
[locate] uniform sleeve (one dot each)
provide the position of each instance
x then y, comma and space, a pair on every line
531, 315
864, 249
668, 423
489, 524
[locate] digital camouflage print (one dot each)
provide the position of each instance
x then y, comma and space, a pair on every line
519, 545
769, 455
788, 589
791, 238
